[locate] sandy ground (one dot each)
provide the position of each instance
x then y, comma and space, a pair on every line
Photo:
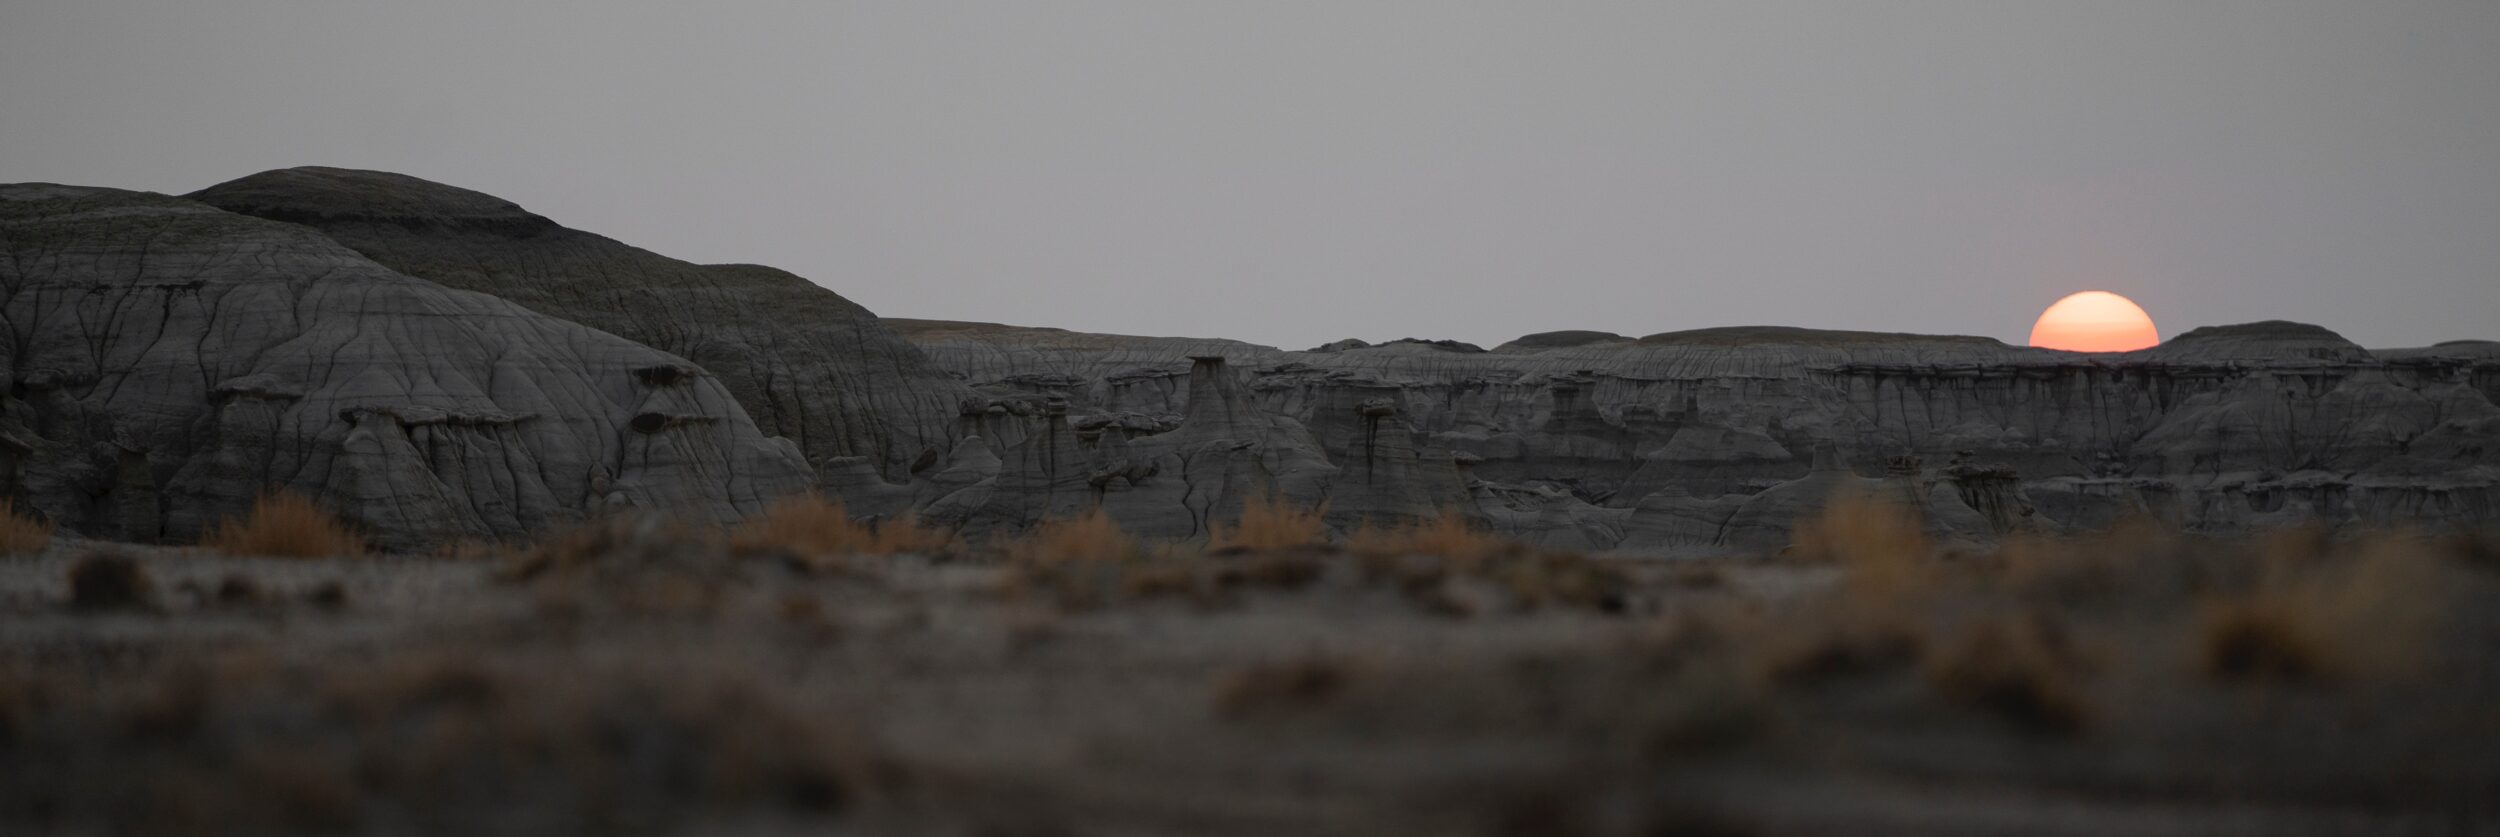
1306, 693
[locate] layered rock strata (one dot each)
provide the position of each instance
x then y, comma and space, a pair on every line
806, 363
169, 361
436, 363
1723, 439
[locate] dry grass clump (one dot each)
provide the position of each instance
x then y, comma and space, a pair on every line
618, 546
469, 550
2106, 570
22, 534
1446, 535
2256, 639
1276, 570
1876, 541
431, 742
2317, 613
1560, 579
2025, 670
2301, 606
1437, 562
1167, 572
641, 564
1089, 537
1086, 562
1442, 564
811, 527
1820, 649
286, 525
109, 581
1270, 524
1162, 579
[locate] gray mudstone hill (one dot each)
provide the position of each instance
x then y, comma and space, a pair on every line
436, 363
807, 364
169, 361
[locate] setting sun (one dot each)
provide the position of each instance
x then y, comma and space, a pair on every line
2094, 321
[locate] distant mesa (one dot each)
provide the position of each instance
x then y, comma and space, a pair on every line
1795, 336
434, 364
2279, 339
1561, 340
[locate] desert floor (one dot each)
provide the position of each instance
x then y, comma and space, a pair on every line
647, 677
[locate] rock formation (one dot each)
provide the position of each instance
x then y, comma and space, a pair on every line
1721, 439
807, 363
169, 361
437, 363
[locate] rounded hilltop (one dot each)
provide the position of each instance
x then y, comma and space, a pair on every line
2264, 340
326, 194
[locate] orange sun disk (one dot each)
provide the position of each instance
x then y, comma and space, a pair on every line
2095, 321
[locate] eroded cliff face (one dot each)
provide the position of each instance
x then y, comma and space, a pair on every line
1722, 439
437, 363
169, 361
806, 363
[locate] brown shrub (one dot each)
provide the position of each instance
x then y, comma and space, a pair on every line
1876, 541
1425, 561
1271, 524
109, 581
1557, 579
2319, 612
1088, 537
286, 525
2065, 571
1422, 559
1278, 570
652, 565
619, 546
2024, 670
906, 535
2249, 639
1087, 562
1162, 579
803, 524
812, 527
21, 534
1825, 649
1447, 535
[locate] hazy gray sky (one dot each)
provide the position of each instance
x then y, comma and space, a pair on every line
1292, 173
